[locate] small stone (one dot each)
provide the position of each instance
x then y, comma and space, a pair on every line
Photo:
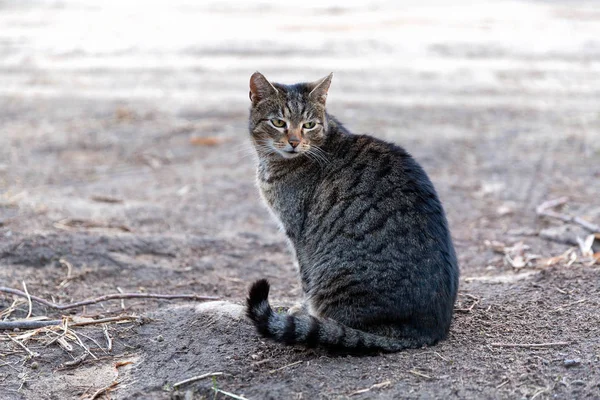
160, 338
571, 362
35, 365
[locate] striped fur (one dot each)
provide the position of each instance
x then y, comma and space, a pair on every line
312, 332
369, 234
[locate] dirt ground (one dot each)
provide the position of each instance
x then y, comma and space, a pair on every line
124, 153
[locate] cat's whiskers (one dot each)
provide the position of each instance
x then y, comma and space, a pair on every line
318, 155
319, 150
241, 151
314, 157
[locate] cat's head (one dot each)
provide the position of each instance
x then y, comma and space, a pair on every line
287, 120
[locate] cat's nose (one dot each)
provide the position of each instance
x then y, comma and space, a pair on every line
294, 142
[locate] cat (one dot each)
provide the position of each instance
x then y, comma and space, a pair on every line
367, 230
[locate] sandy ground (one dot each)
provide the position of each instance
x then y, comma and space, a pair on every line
124, 152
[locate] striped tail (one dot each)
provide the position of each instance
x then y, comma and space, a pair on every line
313, 332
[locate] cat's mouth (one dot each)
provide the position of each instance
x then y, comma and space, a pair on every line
289, 153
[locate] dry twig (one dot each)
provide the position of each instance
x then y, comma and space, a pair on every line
75, 361
417, 373
105, 320
196, 378
375, 386
545, 210
22, 324
32, 354
108, 297
285, 366
229, 394
469, 309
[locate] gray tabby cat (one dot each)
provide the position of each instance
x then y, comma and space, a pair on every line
369, 234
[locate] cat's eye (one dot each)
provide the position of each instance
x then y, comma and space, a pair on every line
309, 125
279, 123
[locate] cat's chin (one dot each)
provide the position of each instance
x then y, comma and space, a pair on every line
288, 154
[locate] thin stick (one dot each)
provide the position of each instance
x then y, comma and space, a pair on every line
105, 320
544, 210
467, 310
531, 345
104, 389
93, 341
285, 366
28, 300
196, 378
116, 296
22, 345
502, 384
229, 394
417, 373
75, 361
21, 324
375, 386
433, 352
83, 346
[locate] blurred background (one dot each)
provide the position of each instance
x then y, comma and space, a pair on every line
125, 164
131, 116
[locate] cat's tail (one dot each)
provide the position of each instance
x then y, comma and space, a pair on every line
313, 332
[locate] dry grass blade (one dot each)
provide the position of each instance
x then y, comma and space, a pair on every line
196, 378
229, 394
285, 366
375, 386
108, 338
475, 302
12, 308
417, 373
32, 354
69, 267
531, 345
30, 306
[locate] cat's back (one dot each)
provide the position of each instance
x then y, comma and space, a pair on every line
377, 172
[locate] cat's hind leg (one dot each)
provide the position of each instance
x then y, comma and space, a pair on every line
298, 308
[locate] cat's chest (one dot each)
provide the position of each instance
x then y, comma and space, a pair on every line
285, 194
278, 193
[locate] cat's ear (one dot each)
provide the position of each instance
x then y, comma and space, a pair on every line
260, 87
320, 89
